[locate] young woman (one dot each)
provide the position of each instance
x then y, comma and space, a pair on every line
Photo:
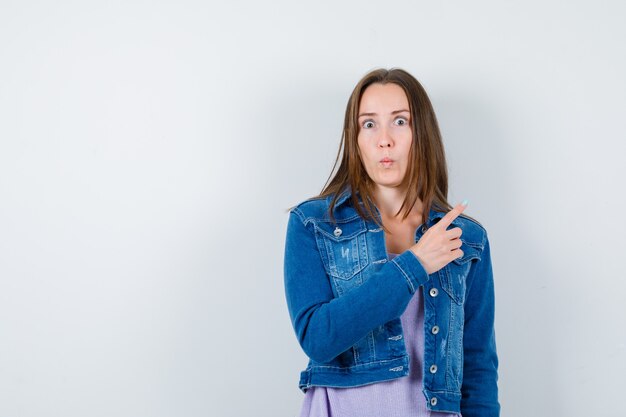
389, 288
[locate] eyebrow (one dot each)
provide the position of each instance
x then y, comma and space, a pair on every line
374, 114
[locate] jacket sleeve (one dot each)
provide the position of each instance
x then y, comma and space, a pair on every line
327, 326
480, 363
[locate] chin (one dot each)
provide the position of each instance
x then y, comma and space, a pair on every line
388, 183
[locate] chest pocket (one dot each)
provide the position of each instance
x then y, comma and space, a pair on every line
453, 276
343, 247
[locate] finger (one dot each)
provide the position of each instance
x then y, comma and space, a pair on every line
455, 244
457, 253
452, 214
454, 233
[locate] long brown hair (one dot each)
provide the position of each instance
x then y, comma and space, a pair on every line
427, 175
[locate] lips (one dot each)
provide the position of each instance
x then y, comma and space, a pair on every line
386, 160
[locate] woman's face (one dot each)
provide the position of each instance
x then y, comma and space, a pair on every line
385, 135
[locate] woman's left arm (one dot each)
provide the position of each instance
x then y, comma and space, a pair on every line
480, 363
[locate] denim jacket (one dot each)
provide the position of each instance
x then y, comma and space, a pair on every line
345, 299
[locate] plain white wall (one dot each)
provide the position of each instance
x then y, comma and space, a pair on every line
149, 150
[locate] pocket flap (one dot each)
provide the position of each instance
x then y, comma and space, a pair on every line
342, 230
470, 251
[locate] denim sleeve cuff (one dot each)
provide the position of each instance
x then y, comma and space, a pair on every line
412, 269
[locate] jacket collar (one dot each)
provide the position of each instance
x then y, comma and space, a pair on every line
344, 197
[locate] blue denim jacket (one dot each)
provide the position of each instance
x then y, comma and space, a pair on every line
345, 299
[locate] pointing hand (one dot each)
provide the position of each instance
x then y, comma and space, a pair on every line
438, 246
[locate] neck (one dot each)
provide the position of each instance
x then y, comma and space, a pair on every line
388, 200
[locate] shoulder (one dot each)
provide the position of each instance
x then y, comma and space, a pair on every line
314, 208
473, 232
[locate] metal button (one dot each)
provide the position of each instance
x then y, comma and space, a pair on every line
435, 329
433, 369
433, 401
337, 232
434, 292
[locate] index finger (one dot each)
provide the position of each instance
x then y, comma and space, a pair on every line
452, 214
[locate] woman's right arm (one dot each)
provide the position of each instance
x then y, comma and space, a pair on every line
327, 326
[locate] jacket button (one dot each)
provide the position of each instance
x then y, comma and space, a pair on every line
433, 401
433, 369
434, 292
337, 232
435, 330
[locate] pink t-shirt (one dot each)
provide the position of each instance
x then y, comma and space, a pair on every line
400, 397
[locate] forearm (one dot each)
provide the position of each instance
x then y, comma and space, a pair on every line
480, 380
326, 325
329, 327
480, 363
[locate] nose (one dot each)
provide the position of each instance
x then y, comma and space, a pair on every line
385, 140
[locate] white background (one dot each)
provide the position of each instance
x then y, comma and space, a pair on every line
149, 151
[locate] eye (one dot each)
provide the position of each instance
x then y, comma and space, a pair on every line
402, 120
367, 124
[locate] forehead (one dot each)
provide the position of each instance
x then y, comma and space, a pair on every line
379, 98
